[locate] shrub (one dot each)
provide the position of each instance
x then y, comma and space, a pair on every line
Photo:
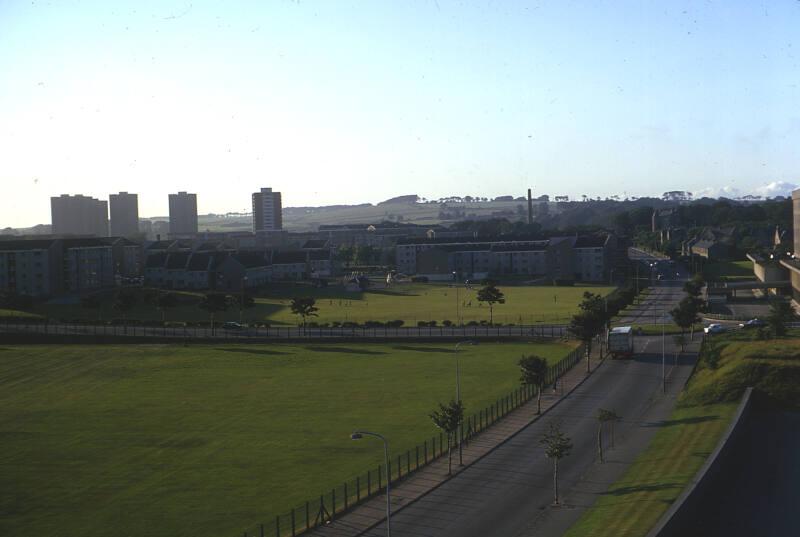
397, 323
447, 322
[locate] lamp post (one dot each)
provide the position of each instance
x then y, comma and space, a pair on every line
458, 313
241, 299
663, 357
458, 399
358, 435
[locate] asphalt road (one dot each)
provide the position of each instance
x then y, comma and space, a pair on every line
508, 493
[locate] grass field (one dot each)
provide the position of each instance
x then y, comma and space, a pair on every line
408, 302
633, 504
164, 440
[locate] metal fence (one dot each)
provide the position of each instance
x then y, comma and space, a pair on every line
332, 503
179, 333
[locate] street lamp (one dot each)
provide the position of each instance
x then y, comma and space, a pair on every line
358, 435
458, 399
241, 301
458, 313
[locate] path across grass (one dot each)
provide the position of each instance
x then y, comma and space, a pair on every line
163, 440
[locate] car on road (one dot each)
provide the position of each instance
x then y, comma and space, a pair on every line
714, 328
753, 323
230, 325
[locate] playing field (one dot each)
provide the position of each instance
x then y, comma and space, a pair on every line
164, 440
408, 302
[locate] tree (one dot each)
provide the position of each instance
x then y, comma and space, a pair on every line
780, 313
124, 301
557, 445
490, 294
604, 416
448, 418
304, 307
164, 302
685, 314
586, 325
694, 287
244, 301
680, 341
534, 372
92, 302
213, 303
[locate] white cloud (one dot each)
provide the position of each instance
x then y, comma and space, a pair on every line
716, 192
775, 188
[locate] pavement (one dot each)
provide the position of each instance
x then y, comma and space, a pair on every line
506, 489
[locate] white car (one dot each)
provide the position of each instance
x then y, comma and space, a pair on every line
714, 329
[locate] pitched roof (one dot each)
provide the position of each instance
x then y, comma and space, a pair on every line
251, 259
177, 260
26, 244
155, 260
590, 241
199, 262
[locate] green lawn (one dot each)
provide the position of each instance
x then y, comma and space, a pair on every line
408, 302
163, 440
633, 504
729, 270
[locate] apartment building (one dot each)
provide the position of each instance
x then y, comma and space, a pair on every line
79, 215
267, 211
183, 213
30, 267
124, 209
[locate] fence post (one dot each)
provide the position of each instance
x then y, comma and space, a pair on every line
345, 495
293, 529
308, 516
369, 483
333, 500
417, 456
379, 477
261, 533
408, 462
399, 466
277, 526
358, 489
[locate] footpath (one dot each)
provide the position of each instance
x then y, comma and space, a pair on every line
372, 512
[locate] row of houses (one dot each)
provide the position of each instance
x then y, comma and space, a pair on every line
587, 258
230, 270
46, 267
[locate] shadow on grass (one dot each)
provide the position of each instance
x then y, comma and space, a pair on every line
422, 349
253, 351
683, 421
641, 488
342, 350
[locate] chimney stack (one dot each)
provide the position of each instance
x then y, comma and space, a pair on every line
530, 208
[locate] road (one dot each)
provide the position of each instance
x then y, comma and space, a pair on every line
508, 493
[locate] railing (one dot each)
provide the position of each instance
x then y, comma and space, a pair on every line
181, 333
332, 503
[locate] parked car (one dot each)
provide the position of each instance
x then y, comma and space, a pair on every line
753, 323
230, 325
714, 328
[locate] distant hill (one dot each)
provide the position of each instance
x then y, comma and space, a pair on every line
410, 198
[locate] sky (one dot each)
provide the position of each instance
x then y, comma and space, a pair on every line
357, 101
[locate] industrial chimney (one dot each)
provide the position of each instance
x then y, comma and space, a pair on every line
530, 208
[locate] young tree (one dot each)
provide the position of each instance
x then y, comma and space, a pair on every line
604, 416
686, 314
534, 371
304, 307
124, 301
164, 302
780, 313
244, 301
213, 303
680, 341
586, 325
448, 418
557, 445
490, 294
92, 302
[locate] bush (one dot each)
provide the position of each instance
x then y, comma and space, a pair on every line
397, 323
336, 324
472, 323
419, 279
447, 322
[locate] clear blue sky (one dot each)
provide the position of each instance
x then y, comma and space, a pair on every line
348, 102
